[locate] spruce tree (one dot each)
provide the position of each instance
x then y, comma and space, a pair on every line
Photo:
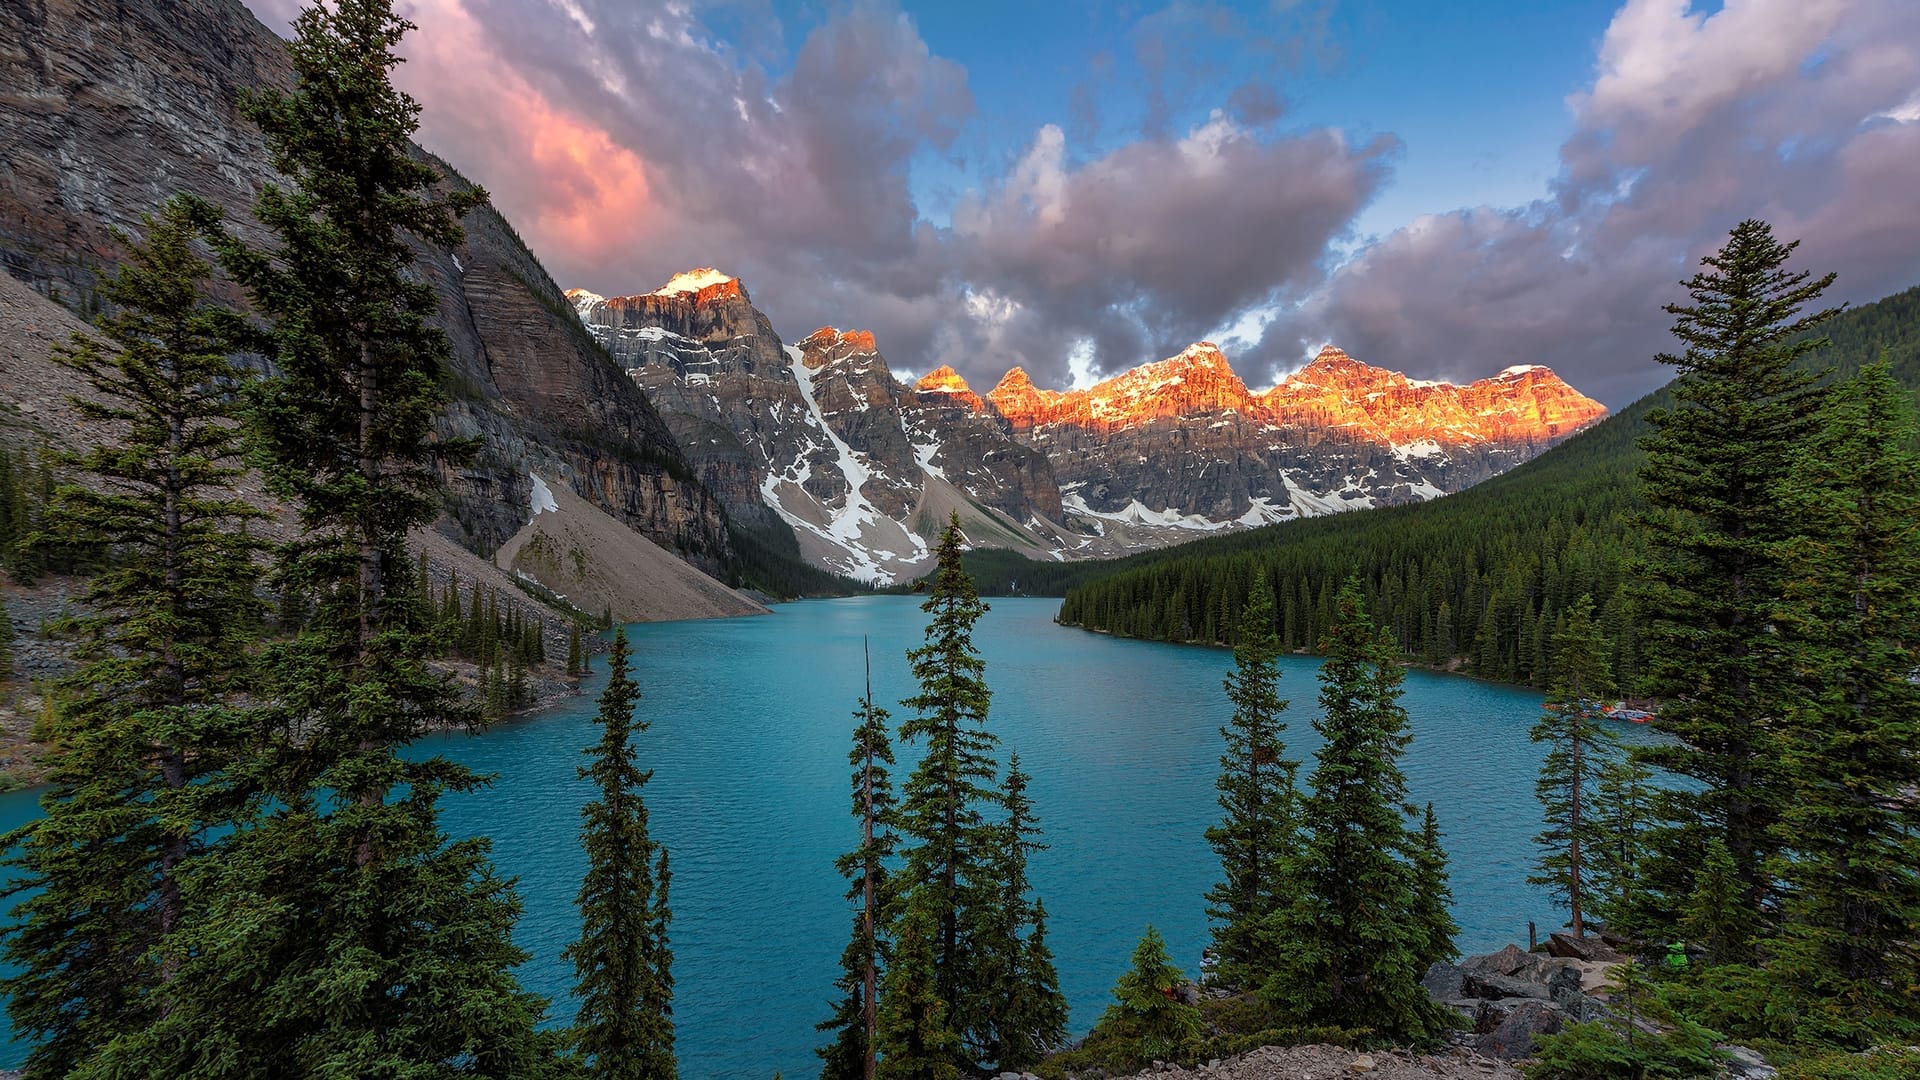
1146, 1008
1024, 1016
916, 1039
1580, 745
1851, 932
1433, 897
947, 870
1622, 817
624, 1029
1715, 917
853, 1053
1347, 944
1258, 801
1714, 464
150, 713
301, 963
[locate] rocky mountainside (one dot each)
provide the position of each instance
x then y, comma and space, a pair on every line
1183, 443
821, 435
106, 111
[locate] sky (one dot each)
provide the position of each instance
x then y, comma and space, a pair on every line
1076, 188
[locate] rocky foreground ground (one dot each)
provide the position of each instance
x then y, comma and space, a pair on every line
1329, 1062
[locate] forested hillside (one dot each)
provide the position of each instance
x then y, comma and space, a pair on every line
1481, 578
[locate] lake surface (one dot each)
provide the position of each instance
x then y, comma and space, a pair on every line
751, 720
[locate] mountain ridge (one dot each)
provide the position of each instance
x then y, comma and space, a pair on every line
861, 464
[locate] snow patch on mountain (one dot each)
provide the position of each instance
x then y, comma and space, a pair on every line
541, 499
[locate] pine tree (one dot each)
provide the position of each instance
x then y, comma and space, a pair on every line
1716, 917
946, 873
1146, 1006
573, 651
1348, 942
6, 643
299, 964
1024, 1015
853, 1053
1574, 727
916, 1040
1712, 473
1433, 897
1622, 815
1257, 797
1852, 924
621, 1031
149, 715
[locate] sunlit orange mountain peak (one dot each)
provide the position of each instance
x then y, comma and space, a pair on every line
692, 287
947, 382
1197, 380
827, 344
1527, 403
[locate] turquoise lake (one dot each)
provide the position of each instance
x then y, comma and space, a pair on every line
750, 725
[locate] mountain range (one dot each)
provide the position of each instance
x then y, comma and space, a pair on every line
679, 414
863, 465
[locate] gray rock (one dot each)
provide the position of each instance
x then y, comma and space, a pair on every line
1443, 981
1486, 985
1505, 962
1513, 1037
1565, 945
1583, 1008
1743, 1062
1563, 983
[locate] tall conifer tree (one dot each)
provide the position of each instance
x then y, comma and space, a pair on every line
1579, 746
949, 840
149, 715
853, 1053
1256, 834
1713, 470
1433, 896
303, 964
1348, 943
622, 962
917, 1040
1622, 816
1852, 929
1023, 1015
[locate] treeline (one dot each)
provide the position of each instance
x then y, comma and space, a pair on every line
1484, 577
769, 560
503, 641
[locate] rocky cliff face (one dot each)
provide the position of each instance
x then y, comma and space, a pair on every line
1183, 445
107, 111
820, 433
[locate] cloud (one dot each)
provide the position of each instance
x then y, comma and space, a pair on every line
1786, 110
630, 141
1146, 248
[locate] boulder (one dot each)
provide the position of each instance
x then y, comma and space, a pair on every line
1443, 981
1745, 1064
1507, 961
1513, 1037
1486, 985
1563, 983
1583, 1008
1567, 947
